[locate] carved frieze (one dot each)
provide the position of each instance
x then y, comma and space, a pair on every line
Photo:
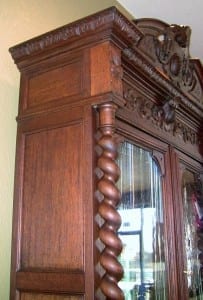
153, 73
163, 117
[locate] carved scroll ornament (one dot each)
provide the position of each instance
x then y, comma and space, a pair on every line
166, 48
108, 197
172, 50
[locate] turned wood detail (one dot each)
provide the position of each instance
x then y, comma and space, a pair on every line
108, 197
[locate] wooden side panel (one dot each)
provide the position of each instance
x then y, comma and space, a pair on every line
30, 296
53, 208
55, 84
52, 220
60, 80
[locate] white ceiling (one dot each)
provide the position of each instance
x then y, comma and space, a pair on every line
182, 12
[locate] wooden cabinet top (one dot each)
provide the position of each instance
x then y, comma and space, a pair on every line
160, 51
150, 53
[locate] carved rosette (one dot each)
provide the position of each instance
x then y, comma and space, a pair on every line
108, 196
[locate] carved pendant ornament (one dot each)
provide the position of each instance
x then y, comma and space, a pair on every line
162, 116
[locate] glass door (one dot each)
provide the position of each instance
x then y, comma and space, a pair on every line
193, 233
141, 232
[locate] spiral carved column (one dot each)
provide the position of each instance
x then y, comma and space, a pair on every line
109, 197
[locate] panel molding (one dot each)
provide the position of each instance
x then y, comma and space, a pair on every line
71, 282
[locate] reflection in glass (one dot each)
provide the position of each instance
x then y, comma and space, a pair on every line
193, 224
142, 225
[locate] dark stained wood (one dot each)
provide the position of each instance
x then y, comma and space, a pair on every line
85, 88
167, 47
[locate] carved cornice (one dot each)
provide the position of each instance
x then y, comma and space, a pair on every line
106, 19
152, 73
163, 117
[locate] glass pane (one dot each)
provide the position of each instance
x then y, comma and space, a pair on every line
142, 225
193, 230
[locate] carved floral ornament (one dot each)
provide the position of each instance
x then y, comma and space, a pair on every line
162, 116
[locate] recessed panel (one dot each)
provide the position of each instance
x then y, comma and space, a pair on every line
59, 83
32, 296
52, 211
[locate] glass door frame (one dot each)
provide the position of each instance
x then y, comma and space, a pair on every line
161, 152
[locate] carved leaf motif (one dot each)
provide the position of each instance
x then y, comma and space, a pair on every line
162, 117
116, 69
158, 77
131, 97
109, 16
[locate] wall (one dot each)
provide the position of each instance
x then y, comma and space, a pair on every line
21, 20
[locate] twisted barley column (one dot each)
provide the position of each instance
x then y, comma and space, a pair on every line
107, 207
